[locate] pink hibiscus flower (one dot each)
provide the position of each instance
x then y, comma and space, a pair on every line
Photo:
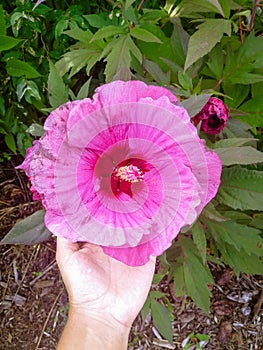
125, 170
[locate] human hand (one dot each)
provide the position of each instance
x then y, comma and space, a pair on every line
101, 288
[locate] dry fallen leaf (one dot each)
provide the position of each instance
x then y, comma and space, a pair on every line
225, 332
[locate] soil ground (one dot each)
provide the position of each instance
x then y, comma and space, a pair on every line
34, 304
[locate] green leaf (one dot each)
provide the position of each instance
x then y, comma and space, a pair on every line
195, 103
179, 282
237, 129
241, 246
75, 60
2, 22
241, 189
257, 221
150, 15
30, 230
128, 3
210, 212
199, 238
215, 62
118, 59
56, 88
161, 320
196, 275
145, 309
35, 130
185, 80
79, 34
254, 112
95, 21
202, 42
84, 90
144, 35
17, 68
240, 65
154, 51
188, 7
156, 72
233, 142
108, 31
240, 236
60, 26
179, 44
238, 92
10, 142
239, 155
7, 42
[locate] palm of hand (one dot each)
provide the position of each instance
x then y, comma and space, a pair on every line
101, 284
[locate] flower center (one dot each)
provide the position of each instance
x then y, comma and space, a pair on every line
130, 173
127, 177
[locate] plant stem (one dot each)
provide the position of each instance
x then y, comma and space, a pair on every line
140, 5
253, 14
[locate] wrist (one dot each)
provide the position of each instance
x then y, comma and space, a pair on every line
100, 330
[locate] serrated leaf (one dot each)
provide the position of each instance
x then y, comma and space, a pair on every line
195, 103
239, 155
56, 88
17, 68
161, 320
233, 142
30, 230
8, 42
77, 59
210, 212
241, 246
241, 189
118, 57
202, 42
240, 236
199, 238
196, 275
107, 32
237, 216
179, 282
144, 35
240, 65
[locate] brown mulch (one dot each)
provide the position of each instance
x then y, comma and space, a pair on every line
34, 304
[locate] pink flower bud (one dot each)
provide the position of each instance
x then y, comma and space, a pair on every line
213, 116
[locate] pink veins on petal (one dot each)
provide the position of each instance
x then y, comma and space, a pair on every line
125, 170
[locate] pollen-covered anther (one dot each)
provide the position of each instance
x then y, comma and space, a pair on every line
130, 173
